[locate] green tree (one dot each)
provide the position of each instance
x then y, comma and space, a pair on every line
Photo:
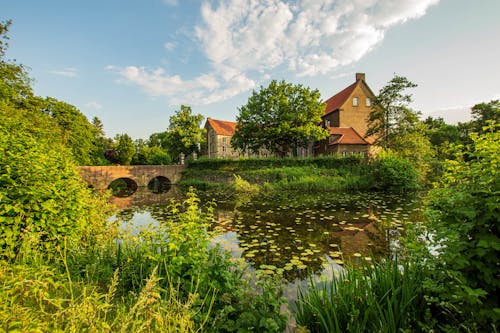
15, 84
124, 149
101, 142
158, 140
484, 113
390, 107
441, 135
184, 133
78, 133
280, 118
464, 221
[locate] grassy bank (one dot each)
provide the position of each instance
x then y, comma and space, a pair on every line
330, 173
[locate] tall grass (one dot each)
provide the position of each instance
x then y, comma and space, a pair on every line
385, 297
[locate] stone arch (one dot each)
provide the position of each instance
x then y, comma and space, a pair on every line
123, 187
159, 184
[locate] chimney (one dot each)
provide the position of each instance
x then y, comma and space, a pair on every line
360, 76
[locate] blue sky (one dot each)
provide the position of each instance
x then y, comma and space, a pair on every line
132, 63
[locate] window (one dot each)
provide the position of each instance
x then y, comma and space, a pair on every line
224, 142
368, 101
354, 101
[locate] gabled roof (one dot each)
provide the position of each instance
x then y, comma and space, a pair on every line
347, 136
222, 127
336, 101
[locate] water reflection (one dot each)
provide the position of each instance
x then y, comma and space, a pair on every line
295, 234
143, 197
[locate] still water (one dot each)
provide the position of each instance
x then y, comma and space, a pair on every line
293, 234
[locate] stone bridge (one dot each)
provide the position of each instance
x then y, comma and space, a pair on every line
101, 176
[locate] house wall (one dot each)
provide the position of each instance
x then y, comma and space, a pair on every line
332, 118
356, 116
219, 146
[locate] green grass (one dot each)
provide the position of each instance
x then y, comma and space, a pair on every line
385, 297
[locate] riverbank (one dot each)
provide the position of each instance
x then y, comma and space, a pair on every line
325, 173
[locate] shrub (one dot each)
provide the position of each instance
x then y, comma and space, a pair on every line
40, 190
464, 221
394, 174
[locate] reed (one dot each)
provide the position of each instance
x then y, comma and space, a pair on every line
385, 297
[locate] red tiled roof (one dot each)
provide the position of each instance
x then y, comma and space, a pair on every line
222, 127
336, 101
347, 136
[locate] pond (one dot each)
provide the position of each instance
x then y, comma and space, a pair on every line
294, 234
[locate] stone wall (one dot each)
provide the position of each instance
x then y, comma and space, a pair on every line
101, 176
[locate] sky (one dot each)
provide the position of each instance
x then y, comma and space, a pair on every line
132, 63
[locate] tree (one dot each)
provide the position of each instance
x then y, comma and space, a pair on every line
124, 149
280, 118
389, 108
184, 133
441, 135
15, 84
484, 113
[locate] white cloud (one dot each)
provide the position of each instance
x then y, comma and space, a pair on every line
309, 37
67, 72
93, 105
169, 46
244, 41
203, 89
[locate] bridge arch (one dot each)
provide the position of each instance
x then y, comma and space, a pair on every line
100, 177
123, 187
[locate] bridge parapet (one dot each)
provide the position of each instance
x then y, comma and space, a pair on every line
101, 176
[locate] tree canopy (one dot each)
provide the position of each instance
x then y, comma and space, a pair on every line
390, 111
279, 118
184, 133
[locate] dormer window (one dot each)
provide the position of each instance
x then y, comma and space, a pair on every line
368, 101
354, 101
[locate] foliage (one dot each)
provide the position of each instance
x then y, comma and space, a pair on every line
150, 155
124, 149
78, 133
441, 135
38, 298
394, 173
484, 113
385, 297
258, 163
15, 85
389, 110
279, 118
205, 276
41, 193
313, 174
184, 134
464, 215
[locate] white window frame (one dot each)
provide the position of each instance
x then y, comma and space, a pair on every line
368, 101
354, 101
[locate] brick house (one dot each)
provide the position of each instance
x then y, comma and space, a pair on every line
346, 118
219, 134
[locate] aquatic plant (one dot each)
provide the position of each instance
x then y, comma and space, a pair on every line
384, 297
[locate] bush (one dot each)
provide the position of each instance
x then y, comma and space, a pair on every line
394, 174
464, 221
41, 192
